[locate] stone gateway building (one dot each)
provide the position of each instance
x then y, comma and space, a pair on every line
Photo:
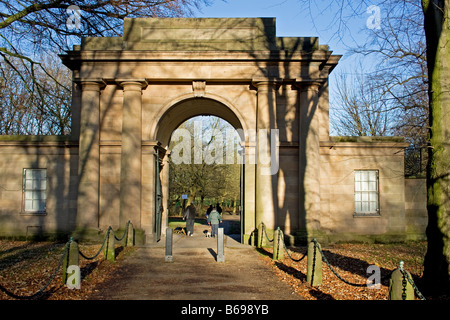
130, 93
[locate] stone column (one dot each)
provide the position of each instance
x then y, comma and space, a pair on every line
266, 182
89, 155
131, 154
249, 173
148, 189
76, 111
309, 157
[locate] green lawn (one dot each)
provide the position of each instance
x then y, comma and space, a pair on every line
175, 222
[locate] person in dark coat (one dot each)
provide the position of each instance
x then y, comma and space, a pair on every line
189, 216
208, 211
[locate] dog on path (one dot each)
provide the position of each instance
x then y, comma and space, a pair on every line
207, 233
180, 230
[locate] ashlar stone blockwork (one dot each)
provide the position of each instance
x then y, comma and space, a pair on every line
131, 92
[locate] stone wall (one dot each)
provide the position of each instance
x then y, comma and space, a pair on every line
56, 154
130, 93
339, 160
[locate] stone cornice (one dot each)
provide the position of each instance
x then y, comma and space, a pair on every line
364, 142
182, 56
40, 144
308, 83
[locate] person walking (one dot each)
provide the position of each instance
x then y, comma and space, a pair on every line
208, 211
189, 215
214, 219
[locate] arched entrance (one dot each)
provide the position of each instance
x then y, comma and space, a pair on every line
131, 92
183, 108
171, 119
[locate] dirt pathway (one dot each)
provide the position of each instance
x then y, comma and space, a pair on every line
194, 273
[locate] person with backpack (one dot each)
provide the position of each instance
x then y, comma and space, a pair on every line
214, 219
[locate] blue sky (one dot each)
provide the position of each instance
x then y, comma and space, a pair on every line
296, 20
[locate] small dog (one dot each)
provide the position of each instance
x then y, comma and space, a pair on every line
207, 233
180, 230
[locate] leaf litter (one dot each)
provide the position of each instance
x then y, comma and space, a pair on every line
351, 262
26, 267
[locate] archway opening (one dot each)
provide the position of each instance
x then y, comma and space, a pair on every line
205, 168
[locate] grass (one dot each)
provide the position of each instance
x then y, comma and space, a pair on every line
175, 222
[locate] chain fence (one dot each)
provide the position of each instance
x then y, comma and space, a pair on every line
406, 276
265, 232
99, 250
64, 256
287, 251
40, 291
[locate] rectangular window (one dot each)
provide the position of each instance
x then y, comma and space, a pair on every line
34, 190
366, 192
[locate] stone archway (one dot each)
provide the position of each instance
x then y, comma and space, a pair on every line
187, 107
175, 113
132, 91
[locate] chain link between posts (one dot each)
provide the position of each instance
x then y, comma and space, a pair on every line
40, 291
265, 232
60, 263
406, 276
281, 235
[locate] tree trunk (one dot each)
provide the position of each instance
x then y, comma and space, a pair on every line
437, 30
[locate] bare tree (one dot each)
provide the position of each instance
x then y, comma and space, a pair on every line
28, 111
359, 109
205, 179
401, 77
30, 30
435, 15
395, 81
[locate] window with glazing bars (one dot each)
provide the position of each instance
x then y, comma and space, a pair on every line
366, 192
34, 190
